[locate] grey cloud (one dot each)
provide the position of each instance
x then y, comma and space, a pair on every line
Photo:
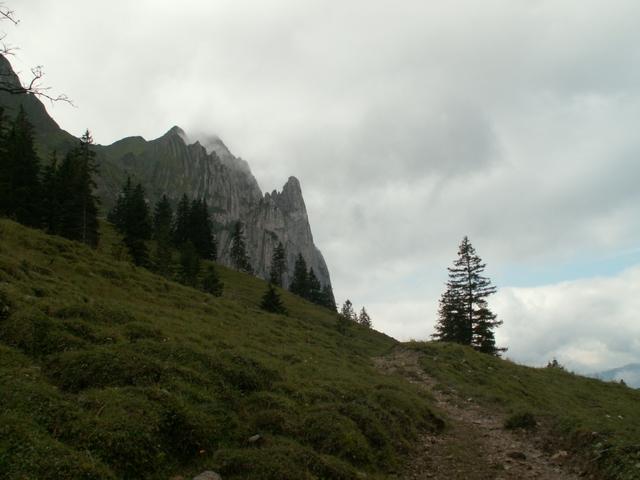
408, 124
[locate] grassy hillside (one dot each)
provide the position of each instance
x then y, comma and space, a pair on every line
600, 421
108, 371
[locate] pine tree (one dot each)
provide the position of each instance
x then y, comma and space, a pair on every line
328, 299
211, 282
162, 219
300, 281
162, 228
348, 312
364, 319
271, 301
200, 230
118, 214
189, 264
238, 253
314, 293
50, 193
278, 265
181, 227
137, 228
464, 316
78, 219
20, 195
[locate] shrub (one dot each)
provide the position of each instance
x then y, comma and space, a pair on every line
102, 367
524, 420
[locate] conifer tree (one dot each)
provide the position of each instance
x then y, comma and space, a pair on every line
78, 219
162, 219
238, 253
118, 214
181, 228
464, 316
314, 293
162, 229
50, 195
348, 312
211, 282
137, 228
300, 281
200, 230
271, 301
328, 299
278, 265
20, 194
189, 264
364, 319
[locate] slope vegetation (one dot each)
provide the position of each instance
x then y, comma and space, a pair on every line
590, 425
108, 371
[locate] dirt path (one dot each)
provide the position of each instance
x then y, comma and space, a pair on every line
474, 446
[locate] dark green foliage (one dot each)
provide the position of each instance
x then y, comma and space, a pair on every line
78, 219
464, 316
162, 232
300, 281
189, 264
315, 289
200, 230
328, 299
524, 420
102, 367
239, 256
278, 265
20, 194
271, 301
132, 218
181, 226
211, 282
6, 305
51, 195
162, 220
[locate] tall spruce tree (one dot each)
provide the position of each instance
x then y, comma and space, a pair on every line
278, 265
20, 189
78, 219
189, 264
181, 227
118, 214
464, 316
162, 229
211, 282
137, 228
328, 300
200, 230
314, 293
238, 253
50, 195
300, 281
271, 301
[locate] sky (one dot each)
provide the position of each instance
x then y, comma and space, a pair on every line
409, 125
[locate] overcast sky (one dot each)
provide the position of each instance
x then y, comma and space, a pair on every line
409, 124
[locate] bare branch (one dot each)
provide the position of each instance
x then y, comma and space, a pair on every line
12, 84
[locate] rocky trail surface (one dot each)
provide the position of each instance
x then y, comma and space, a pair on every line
474, 445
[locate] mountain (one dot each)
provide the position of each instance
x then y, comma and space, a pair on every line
172, 165
629, 373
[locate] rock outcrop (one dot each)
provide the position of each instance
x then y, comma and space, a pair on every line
172, 165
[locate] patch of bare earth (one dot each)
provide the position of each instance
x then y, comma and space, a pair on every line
474, 445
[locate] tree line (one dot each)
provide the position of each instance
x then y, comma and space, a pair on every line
190, 232
59, 197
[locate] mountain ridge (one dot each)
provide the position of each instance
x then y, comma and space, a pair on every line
173, 165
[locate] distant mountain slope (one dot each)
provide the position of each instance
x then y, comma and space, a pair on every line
171, 165
629, 373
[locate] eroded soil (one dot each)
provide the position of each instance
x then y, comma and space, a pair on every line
474, 445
